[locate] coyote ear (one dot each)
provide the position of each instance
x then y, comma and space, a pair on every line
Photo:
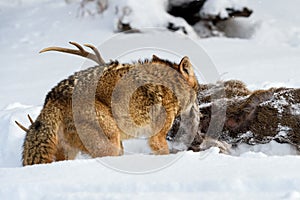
185, 67
154, 57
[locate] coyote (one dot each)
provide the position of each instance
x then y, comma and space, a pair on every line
86, 112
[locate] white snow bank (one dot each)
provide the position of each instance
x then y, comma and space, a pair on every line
219, 7
138, 14
149, 14
26, 75
274, 24
19, 2
11, 136
271, 149
207, 175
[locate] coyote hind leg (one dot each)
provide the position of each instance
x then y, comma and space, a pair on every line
40, 144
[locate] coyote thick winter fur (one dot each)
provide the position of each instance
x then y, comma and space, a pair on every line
83, 112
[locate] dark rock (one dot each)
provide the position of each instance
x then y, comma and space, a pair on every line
187, 10
171, 26
205, 24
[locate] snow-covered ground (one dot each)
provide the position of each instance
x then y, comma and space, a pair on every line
266, 54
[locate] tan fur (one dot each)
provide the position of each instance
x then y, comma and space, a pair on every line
54, 134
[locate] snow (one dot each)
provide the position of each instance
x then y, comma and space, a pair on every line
270, 149
129, 12
218, 7
179, 2
268, 57
215, 174
278, 104
295, 109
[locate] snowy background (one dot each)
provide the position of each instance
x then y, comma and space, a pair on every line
263, 51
